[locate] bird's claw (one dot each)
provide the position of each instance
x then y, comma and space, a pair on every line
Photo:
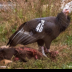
45, 55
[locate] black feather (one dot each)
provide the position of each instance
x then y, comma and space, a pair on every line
62, 21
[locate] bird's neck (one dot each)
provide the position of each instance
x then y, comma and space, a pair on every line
62, 21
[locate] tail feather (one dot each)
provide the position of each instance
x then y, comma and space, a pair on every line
13, 38
15, 34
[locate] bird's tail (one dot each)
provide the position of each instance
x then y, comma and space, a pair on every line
16, 35
13, 39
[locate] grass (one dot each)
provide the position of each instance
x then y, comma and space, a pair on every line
12, 19
61, 62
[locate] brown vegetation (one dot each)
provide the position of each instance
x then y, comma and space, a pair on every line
25, 10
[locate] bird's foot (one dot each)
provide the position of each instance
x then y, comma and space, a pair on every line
43, 52
44, 55
46, 50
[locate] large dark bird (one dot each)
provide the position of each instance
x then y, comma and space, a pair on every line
41, 30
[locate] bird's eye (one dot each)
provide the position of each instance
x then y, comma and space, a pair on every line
66, 9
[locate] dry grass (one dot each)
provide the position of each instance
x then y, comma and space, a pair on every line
11, 19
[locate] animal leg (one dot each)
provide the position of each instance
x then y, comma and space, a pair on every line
41, 48
47, 46
43, 52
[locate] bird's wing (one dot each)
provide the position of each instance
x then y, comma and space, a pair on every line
22, 37
29, 32
26, 33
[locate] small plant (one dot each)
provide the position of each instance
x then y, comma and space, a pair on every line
68, 41
67, 66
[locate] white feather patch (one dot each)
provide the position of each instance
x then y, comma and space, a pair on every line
68, 6
39, 27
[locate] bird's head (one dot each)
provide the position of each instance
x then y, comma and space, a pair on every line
67, 8
66, 11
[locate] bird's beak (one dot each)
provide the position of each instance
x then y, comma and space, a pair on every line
68, 11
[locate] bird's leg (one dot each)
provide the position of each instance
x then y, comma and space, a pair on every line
41, 49
43, 52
